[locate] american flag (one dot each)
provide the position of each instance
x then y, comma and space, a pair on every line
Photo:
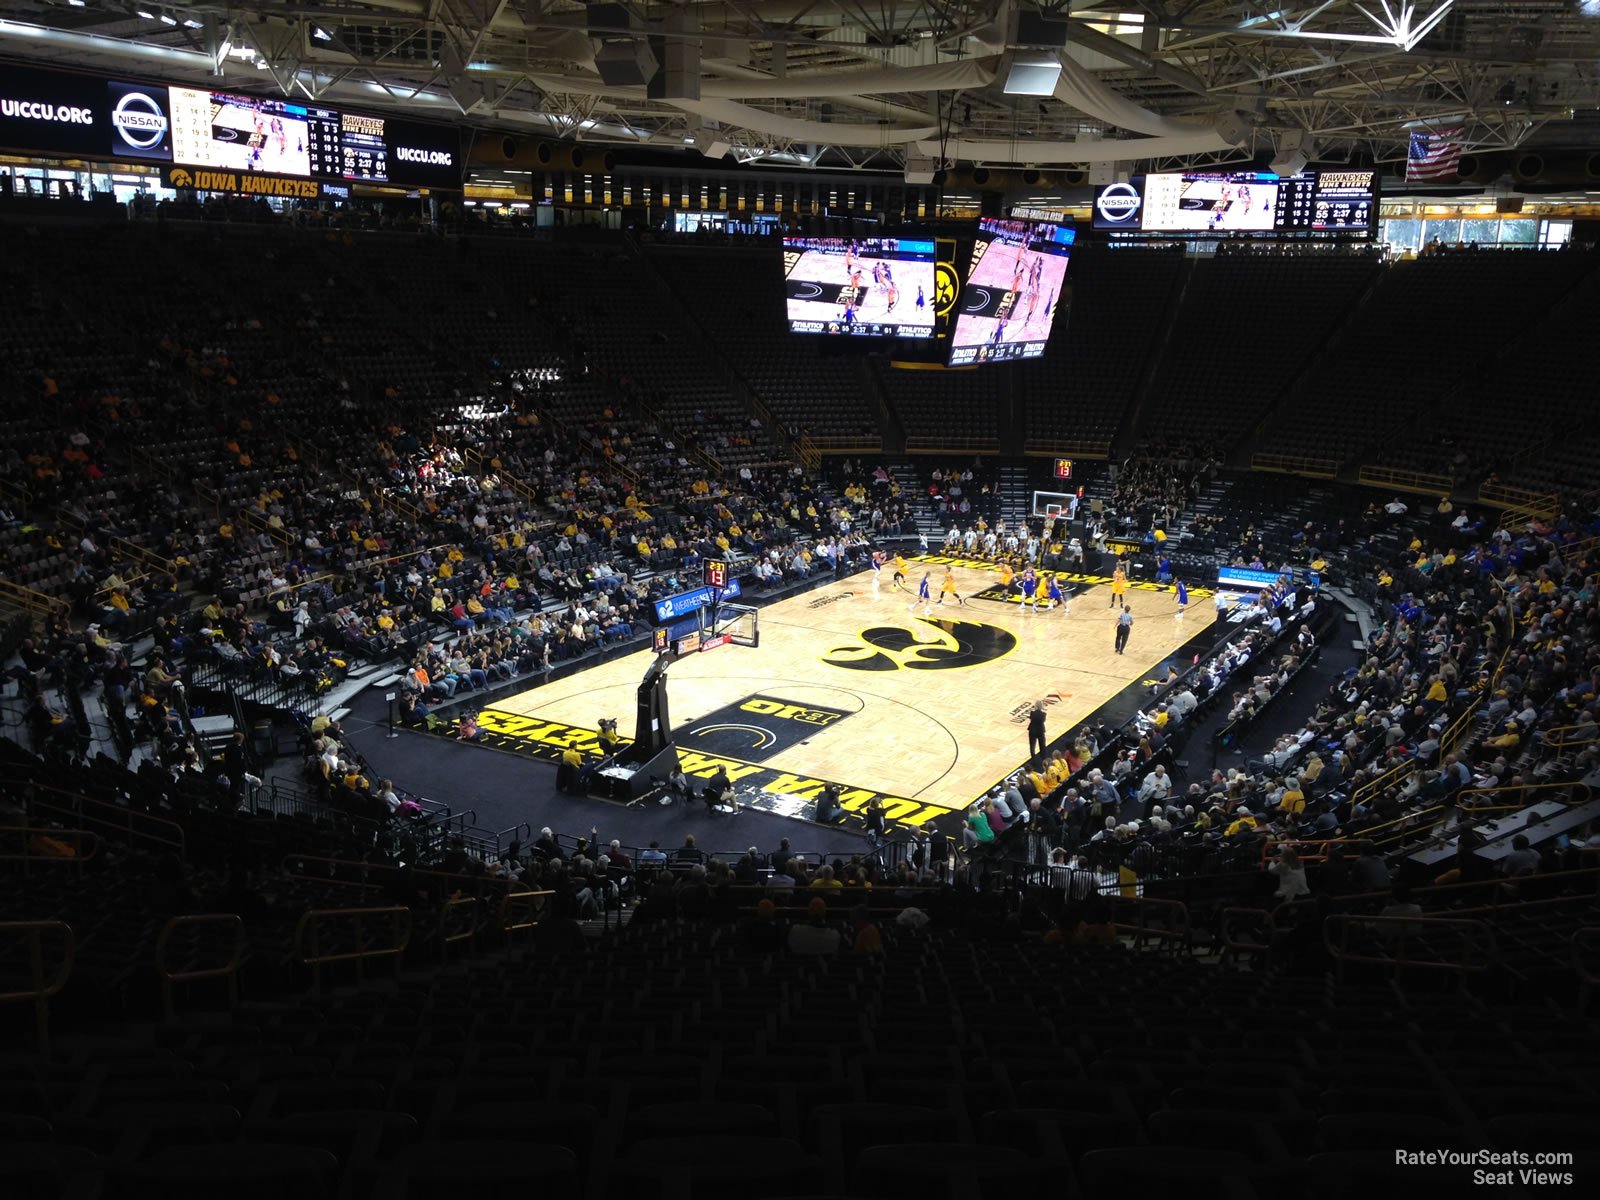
1434, 155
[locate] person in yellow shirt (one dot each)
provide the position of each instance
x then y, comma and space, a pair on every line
1293, 799
1243, 823
899, 580
1006, 576
1119, 584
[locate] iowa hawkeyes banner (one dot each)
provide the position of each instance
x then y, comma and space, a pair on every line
781, 792
244, 183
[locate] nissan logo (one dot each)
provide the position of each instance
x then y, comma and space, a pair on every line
1119, 202
139, 121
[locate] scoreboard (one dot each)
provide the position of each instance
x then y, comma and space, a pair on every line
221, 141
1241, 203
1345, 201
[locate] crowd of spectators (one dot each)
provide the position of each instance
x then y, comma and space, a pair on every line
1484, 643
261, 494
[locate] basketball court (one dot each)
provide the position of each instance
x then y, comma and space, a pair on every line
848, 685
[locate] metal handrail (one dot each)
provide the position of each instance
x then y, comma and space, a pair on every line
1176, 930
952, 445
1051, 447
309, 928
1407, 481
447, 938
1520, 787
1503, 495
1337, 929
32, 832
17, 495
77, 800
292, 862
1446, 892
39, 990
1563, 743
846, 444
32, 601
1402, 770
228, 970
1293, 464
521, 909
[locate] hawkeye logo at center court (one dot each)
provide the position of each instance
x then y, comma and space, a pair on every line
953, 644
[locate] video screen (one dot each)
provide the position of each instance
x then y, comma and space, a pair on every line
240, 133
860, 287
1012, 291
1199, 202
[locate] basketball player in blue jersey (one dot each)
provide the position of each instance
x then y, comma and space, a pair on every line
1183, 601
1030, 590
1053, 591
878, 558
924, 596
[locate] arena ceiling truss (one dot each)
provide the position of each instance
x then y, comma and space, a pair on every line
893, 84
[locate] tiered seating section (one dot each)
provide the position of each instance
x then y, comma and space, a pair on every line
1245, 330
734, 297
1101, 348
1418, 355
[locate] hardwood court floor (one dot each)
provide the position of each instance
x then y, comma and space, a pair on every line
848, 685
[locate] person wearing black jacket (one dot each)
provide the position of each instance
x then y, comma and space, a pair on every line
235, 765
877, 824
716, 787
1036, 738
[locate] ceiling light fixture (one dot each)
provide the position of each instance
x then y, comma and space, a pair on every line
168, 19
1033, 75
145, 16
321, 34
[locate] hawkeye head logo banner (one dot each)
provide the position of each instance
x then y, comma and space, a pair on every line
946, 284
953, 645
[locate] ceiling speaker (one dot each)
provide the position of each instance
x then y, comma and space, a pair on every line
626, 64
1231, 128
920, 171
